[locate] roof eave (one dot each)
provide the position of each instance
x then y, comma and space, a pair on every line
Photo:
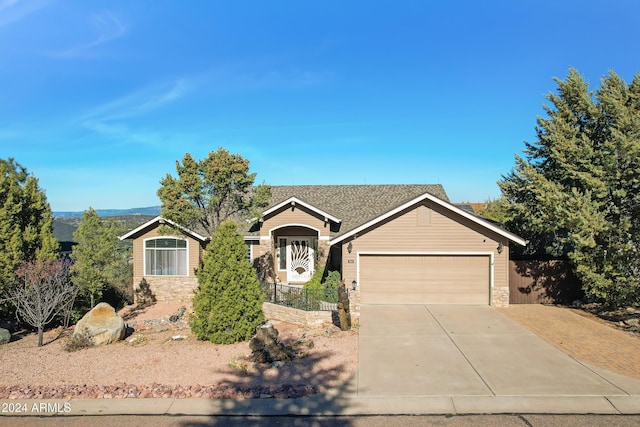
160, 220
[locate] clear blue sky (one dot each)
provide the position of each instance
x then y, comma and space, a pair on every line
98, 99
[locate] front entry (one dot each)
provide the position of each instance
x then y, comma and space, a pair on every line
299, 259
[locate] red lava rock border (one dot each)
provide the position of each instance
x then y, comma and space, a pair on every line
126, 391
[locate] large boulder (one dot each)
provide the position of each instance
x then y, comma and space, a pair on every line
102, 325
5, 336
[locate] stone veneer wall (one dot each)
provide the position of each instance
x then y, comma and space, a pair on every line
295, 316
170, 288
323, 253
354, 306
265, 247
500, 296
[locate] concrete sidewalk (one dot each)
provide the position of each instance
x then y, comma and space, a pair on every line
336, 403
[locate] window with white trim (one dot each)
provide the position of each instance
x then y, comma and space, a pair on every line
165, 256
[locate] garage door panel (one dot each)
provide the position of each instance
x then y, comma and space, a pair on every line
424, 279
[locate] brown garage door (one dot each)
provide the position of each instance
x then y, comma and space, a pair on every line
424, 279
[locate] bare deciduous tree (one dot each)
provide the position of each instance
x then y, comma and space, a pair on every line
44, 290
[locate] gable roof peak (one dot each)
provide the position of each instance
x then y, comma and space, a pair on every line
354, 204
159, 220
292, 201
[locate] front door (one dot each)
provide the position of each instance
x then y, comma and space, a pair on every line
299, 259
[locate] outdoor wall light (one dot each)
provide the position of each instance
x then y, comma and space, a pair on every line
349, 247
354, 284
500, 247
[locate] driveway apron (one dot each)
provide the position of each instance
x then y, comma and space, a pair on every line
447, 350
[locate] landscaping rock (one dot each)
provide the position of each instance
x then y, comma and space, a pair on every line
102, 324
178, 314
266, 348
120, 391
632, 321
5, 336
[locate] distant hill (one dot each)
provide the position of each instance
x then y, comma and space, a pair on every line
151, 210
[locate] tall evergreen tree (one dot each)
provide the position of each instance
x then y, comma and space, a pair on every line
228, 303
495, 210
26, 221
209, 191
100, 258
577, 191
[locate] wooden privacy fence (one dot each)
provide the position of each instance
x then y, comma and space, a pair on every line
542, 282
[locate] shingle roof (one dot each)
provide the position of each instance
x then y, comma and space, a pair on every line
355, 204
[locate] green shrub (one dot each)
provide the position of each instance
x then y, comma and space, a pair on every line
332, 280
316, 280
318, 290
228, 303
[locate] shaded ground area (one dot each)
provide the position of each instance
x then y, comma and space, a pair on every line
582, 336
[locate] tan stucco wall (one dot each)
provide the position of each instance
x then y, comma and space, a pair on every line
431, 229
294, 221
297, 215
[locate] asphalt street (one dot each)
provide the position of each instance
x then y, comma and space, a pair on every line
352, 421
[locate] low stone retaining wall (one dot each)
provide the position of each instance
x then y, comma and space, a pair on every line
295, 316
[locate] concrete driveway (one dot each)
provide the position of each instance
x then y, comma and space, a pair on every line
445, 350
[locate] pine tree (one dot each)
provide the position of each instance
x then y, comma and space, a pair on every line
577, 192
100, 258
495, 210
228, 303
26, 222
212, 190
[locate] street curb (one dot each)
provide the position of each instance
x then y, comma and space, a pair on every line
328, 405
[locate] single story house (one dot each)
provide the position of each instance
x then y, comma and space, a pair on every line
393, 244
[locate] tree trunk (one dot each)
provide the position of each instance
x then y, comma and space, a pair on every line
40, 334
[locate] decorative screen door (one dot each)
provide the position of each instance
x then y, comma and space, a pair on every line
299, 260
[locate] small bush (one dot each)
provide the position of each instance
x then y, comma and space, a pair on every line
318, 290
331, 284
143, 293
332, 281
241, 364
316, 280
137, 339
78, 342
